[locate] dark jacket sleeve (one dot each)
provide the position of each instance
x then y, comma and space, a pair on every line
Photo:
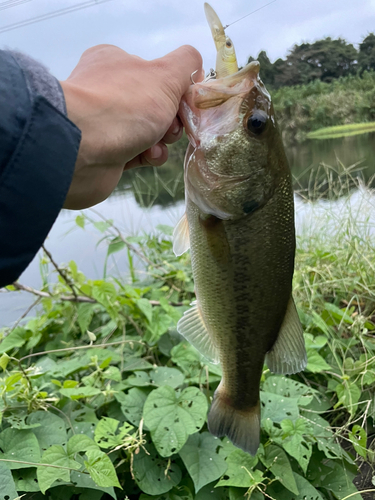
38, 151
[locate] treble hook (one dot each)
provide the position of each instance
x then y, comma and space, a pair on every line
191, 76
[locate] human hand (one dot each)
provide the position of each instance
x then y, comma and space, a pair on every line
126, 109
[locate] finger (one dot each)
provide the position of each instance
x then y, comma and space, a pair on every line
181, 64
152, 157
174, 132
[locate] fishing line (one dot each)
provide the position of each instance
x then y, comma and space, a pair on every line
247, 15
12, 3
55, 13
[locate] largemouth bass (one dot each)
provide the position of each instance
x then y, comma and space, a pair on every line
239, 225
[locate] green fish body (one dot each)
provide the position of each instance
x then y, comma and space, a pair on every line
239, 225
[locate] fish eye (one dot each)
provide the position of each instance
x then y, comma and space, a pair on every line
228, 43
257, 121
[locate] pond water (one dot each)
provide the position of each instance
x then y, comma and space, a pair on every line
148, 197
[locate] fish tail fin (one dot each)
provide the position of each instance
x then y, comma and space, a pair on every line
242, 427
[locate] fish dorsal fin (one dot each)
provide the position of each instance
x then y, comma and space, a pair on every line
288, 354
192, 327
181, 239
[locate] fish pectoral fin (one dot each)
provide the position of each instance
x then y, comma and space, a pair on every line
288, 354
192, 327
181, 239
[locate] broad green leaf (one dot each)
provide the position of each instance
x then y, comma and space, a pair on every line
153, 474
136, 363
201, 460
338, 481
80, 221
358, 437
19, 445
112, 373
209, 492
277, 408
306, 491
80, 443
25, 480
102, 226
7, 486
277, 461
145, 307
85, 481
171, 418
176, 493
85, 314
16, 338
339, 315
240, 470
289, 388
107, 434
348, 393
186, 357
57, 456
322, 433
132, 404
4, 360
291, 437
51, 431
315, 362
80, 392
139, 379
115, 245
101, 469
168, 230
163, 375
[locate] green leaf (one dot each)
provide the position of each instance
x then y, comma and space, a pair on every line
240, 469
289, 388
163, 375
172, 418
80, 443
277, 461
186, 357
322, 433
115, 245
57, 456
348, 393
168, 230
132, 404
51, 430
80, 221
102, 226
85, 314
4, 360
145, 307
106, 435
26, 480
80, 392
153, 474
20, 445
277, 408
315, 362
201, 460
101, 469
85, 481
7, 486
292, 439
306, 490
240, 494
338, 481
358, 437
16, 338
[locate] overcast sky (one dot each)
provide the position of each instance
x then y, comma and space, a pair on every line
151, 28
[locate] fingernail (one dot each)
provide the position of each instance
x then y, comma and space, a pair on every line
176, 129
156, 152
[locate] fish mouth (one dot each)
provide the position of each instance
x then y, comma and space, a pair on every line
214, 105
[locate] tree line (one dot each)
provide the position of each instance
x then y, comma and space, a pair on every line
324, 60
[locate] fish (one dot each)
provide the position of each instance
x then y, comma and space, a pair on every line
239, 227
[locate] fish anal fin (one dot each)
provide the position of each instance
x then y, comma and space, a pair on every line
288, 354
242, 427
192, 327
181, 239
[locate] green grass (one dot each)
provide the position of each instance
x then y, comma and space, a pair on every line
342, 131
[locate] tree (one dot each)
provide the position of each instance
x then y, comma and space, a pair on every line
366, 58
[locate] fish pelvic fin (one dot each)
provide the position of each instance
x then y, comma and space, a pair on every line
192, 327
242, 427
288, 354
181, 239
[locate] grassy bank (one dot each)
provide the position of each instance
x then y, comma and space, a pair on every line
102, 399
305, 108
